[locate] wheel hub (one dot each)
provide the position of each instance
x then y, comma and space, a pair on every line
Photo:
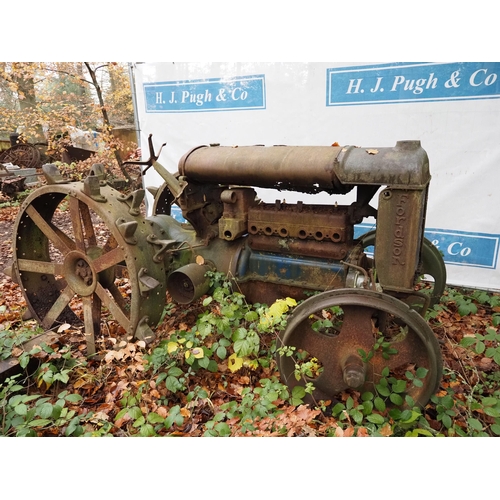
79, 273
354, 372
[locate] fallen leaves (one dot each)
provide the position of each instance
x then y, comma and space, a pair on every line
119, 370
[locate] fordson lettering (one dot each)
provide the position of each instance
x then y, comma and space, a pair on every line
399, 231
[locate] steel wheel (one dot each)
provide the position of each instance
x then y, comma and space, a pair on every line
83, 259
334, 326
23, 155
432, 265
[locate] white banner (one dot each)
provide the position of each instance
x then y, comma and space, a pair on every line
452, 108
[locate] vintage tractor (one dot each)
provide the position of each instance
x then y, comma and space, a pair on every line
359, 314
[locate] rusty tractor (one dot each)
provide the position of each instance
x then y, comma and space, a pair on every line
351, 298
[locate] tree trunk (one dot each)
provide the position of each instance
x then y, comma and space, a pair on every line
23, 76
105, 117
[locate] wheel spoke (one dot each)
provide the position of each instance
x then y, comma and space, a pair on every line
87, 224
58, 307
40, 266
356, 333
91, 320
60, 240
76, 221
96, 313
117, 296
109, 259
113, 307
357, 328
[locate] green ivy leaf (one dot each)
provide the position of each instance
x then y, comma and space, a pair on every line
356, 415
298, 394
62, 377
496, 357
154, 418
173, 417
480, 347
395, 413
134, 412
367, 407
418, 432
489, 401
222, 429
175, 371
408, 419
45, 411
409, 401
251, 316
39, 422
396, 399
338, 409
383, 390
399, 386
239, 334
475, 424
446, 419
468, 341
221, 352
121, 414
492, 412
242, 348
57, 411
173, 384
24, 360
219, 416
203, 362
140, 421
495, 428
21, 409
379, 404
367, 396
74, 427
447, 401
405, 414
73, 398
212, 366
375, 418
147, 430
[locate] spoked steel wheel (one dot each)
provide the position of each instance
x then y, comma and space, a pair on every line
23, 155
82, 259
432, 266
341, 329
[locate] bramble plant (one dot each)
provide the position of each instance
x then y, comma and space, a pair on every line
24, 415
487, 344
216, 375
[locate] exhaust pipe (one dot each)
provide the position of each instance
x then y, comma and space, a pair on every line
188, 283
